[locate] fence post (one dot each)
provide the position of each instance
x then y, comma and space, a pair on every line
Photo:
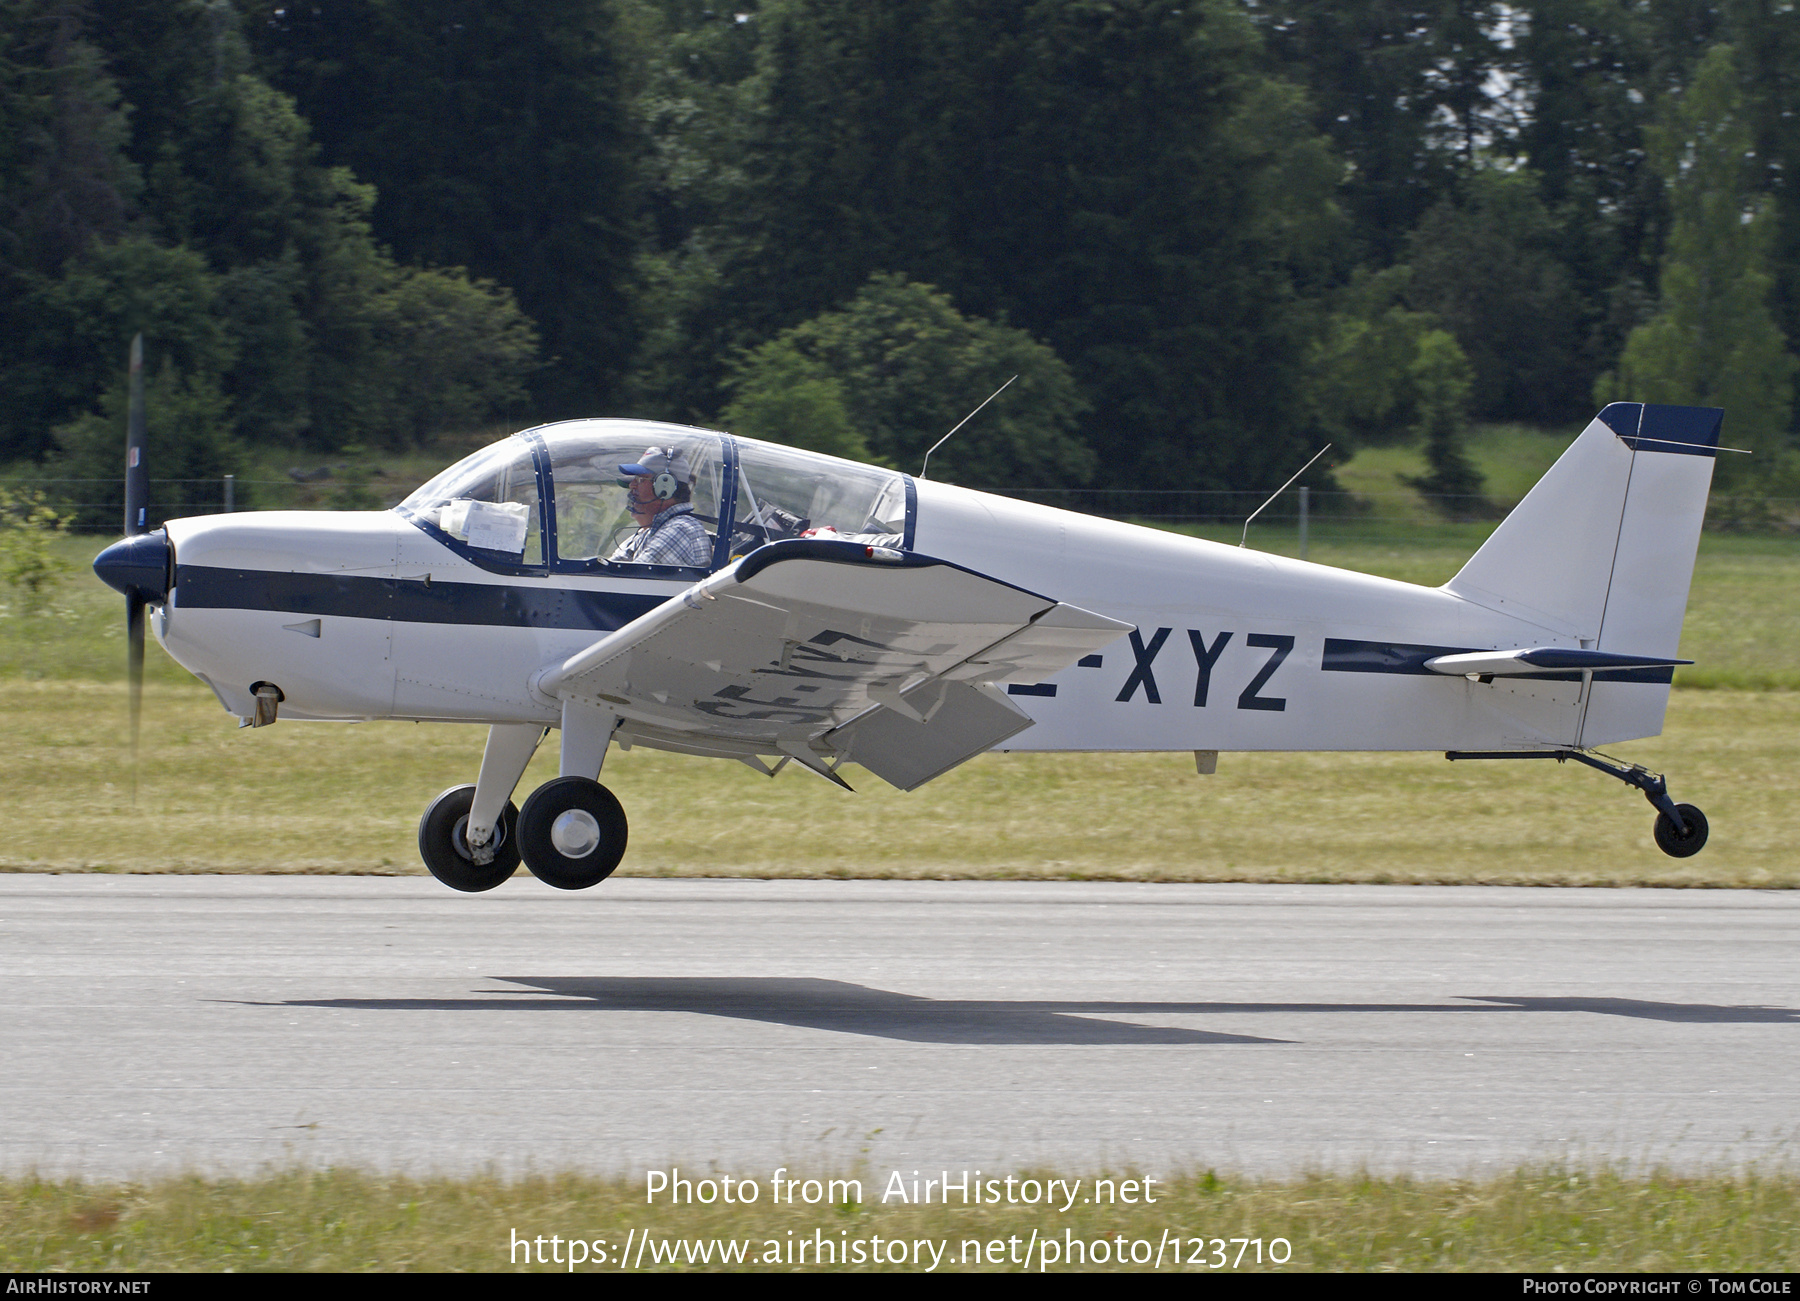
1305, 502
231, 495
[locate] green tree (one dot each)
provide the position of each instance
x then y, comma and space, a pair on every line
1765, 41
1593, 68
905, 366
229, 174
1123, 180
697, 105
783, 395
1713, 341
29, 528
459, 349
66, 189
249, 266
65, 182
499, 137
1408, 93
75, 328
1361, 366
189, 438
1382, 373
1442, 379
1486, 268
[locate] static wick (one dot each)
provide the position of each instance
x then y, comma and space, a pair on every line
960, 423
1283, 488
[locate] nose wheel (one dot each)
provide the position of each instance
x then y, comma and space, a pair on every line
443, 846
572, 833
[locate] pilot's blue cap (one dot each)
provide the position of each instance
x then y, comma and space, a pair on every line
662, 460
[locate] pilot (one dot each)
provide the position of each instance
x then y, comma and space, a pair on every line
660, 492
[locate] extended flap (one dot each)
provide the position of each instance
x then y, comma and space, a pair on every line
960, 721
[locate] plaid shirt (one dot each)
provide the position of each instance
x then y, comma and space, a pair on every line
674, 537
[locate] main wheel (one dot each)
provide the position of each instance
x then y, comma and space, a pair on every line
1673, 842
443, 846
572, 833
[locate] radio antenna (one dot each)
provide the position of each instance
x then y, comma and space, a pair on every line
1272, 496
960, 423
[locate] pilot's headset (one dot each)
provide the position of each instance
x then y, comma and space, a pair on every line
665, 485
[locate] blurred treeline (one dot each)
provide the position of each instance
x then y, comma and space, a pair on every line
1209, 235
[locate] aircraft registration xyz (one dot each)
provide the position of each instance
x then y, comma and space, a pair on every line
822, 612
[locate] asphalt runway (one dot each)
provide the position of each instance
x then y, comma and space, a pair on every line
229, 1024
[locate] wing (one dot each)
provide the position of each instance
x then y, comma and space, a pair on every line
822, 651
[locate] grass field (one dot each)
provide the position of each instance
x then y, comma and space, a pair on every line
1510, 457
1537, 1220
329, 798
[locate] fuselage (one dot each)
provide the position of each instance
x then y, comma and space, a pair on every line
808, 610
373, 615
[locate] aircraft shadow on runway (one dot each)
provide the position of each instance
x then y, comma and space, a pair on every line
1707, 1013
858, 1009
828, 1005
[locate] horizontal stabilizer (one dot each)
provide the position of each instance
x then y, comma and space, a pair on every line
1532, 660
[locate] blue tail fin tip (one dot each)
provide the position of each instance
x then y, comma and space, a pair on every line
1623, 418
1651, 428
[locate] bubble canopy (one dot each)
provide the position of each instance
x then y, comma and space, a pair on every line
556, 497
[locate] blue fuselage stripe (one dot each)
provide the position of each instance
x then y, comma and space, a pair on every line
409, 600
1346, 656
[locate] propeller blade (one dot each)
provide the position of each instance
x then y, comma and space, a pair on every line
137, 470
134, 674
124, 564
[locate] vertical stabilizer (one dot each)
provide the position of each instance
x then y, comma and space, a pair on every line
1601, 551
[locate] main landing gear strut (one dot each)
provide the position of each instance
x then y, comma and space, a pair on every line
571, 832
1680, 828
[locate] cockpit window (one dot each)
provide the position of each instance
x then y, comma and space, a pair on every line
593, 521
786, 493
489, 501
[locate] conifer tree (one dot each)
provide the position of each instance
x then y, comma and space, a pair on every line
1714, 341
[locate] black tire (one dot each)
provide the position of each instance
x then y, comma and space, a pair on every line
1672, 842
537, 831
446, 852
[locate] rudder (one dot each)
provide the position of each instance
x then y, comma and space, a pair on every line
1601, 551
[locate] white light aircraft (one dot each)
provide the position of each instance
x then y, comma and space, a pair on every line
846, 613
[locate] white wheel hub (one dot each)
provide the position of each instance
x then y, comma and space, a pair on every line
576, 834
